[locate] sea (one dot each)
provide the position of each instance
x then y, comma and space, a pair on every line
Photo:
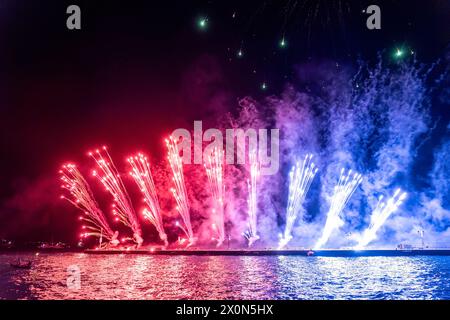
129, 276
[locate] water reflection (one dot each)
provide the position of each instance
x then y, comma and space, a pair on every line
227, 277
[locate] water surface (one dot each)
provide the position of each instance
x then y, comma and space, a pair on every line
225, 277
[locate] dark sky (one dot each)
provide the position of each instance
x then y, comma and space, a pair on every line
138, 69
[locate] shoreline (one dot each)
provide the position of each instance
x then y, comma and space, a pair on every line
244, 252
274, 252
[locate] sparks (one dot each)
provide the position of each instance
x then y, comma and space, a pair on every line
381, 213
82, 197
202, 23
109, 176
346, 186
143, 177
179, 192
251, 234
398, 53
300, 179
215, 173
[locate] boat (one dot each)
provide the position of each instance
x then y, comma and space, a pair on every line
59, 245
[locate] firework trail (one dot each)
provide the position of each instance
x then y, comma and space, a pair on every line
179, 192
109, 176
381, 213
300, 177
214, 171
251, 234
344, 189
143, 177
83, 198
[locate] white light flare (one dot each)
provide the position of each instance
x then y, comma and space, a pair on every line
109, 176
252, 234
82, 197
179, 192
346, 186
300, 179
141, 173
380, 214
215, 172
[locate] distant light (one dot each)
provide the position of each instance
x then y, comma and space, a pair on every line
399, 53
202, 23
283, 43
263, 86
240, 53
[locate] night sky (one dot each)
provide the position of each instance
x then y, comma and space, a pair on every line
138, 69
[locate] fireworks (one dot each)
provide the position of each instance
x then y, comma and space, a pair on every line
109, 176
143, 177
83, 199
202, 23
214, 171
179, 192
251, 234
286, 13
344, 189
382, 211
300, 179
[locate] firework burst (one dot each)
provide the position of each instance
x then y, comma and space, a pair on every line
82, 197
381, 213
346, 186
214, 171
179, 192
140, 171
300, 179
251, 234
109, 176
